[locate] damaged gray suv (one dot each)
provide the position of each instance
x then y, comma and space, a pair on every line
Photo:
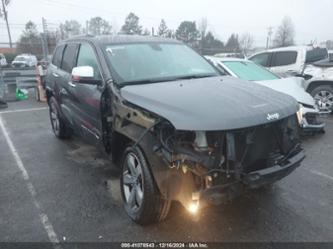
178, 129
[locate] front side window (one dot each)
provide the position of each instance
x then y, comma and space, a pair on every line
156, 62
249, 71
261, 59
87, 57
284, 58
69, 57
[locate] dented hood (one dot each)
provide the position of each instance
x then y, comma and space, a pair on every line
215, 103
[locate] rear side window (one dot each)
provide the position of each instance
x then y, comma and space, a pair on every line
69, 57
57, 56
284, 58
261, 59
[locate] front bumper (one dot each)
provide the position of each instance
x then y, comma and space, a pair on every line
221, 193
311, 120
266, 176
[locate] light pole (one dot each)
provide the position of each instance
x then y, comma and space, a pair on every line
5, 14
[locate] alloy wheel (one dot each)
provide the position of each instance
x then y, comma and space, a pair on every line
324, 100
133, 182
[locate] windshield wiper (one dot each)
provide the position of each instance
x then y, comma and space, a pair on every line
140, 82
165, 79
194, 76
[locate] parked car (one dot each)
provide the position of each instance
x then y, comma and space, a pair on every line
306, 61
176, 127
24, 60
3, 61
308, 114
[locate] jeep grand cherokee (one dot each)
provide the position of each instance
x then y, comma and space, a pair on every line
172, 122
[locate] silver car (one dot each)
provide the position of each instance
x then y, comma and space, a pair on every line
308, 114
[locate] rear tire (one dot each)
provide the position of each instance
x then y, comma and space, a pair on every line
142, 200
323, 96
60, 128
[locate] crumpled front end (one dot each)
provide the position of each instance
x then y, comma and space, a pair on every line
310, 119
205, 153
211, 166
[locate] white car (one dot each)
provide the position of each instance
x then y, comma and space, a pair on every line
24, 60
313, 64
308, 114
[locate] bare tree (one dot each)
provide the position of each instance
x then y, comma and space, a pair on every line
246, 42
99, 26
202, 26
162, 29
29, 41
131, 25
187, 32
69, 28
232, 44
285, 33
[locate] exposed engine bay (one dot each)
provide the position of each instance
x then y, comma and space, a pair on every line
224, 157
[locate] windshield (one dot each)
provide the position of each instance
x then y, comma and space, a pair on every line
156, 62
20, 58
316, 54
249, 71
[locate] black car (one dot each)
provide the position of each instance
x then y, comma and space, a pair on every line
172, 122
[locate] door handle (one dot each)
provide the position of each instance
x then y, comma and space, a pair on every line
55, 75
71, 84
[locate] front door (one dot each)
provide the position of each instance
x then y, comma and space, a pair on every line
87, 96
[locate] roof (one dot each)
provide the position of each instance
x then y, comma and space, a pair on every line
118, 39
291, 48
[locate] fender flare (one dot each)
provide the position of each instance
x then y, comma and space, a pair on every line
313, 84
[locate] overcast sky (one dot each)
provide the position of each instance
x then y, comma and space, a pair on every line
312, 19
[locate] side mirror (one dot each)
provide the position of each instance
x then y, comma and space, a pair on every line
84, 75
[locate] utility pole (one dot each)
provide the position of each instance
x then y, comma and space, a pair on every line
269, 35
87, 27
45, 46
5, 14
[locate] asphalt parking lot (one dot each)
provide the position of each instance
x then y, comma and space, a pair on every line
52, 190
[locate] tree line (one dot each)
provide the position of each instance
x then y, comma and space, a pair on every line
196, 35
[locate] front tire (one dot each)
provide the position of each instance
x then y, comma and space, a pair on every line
323, 96
60, 128
142, 201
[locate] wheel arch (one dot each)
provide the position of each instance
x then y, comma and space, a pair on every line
171, 182
314, 84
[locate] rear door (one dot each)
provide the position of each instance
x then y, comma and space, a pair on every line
284, 63
52, 73
86, 100
67, 90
